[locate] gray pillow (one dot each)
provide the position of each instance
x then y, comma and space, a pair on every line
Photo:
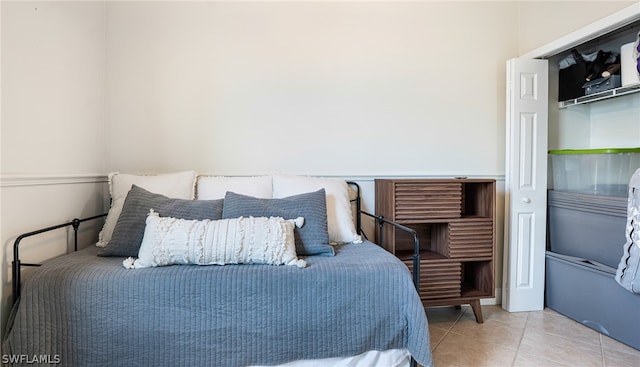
311, 239
129, 229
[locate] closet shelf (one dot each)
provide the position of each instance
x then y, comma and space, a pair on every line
611, 93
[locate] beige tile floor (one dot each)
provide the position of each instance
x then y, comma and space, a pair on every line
524, 339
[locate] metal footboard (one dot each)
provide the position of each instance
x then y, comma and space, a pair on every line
416, 251
381, 222
416, 244
16, 264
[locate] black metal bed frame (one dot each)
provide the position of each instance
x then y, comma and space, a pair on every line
16, 264
381, 222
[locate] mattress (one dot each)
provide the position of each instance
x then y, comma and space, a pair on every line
87, 310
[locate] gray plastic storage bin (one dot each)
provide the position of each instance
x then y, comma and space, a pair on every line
588, 293
587, 226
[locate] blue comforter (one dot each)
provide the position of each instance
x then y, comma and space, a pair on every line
90, 311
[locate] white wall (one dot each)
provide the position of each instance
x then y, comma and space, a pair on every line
53, 65
339, 88
616, 123
52, 145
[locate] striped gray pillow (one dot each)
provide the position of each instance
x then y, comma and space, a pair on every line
311, 239
129, 229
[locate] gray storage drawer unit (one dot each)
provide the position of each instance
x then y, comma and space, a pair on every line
587, 226
588, 293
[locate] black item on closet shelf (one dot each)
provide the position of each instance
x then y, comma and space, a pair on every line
597, 66
572, 78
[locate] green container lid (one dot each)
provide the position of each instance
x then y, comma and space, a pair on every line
596, 151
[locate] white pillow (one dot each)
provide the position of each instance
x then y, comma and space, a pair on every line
180, 185
244, 240
339, 215
215, 187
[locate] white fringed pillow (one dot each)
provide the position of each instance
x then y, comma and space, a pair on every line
244, 240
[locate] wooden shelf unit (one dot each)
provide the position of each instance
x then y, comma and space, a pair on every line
456, 221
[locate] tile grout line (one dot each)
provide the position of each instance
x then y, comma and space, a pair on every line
515, 357
449, 329
604, 363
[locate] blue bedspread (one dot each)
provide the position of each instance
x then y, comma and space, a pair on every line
91, 311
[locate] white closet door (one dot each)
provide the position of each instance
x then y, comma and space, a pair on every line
525, 184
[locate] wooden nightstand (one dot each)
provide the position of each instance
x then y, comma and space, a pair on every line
455, 220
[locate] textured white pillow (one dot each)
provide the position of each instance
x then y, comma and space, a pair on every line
244, 240
339, 214
215, 187
180, 185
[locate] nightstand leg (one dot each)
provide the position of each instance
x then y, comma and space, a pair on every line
477, 310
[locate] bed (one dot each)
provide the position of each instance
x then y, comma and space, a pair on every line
353, 305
